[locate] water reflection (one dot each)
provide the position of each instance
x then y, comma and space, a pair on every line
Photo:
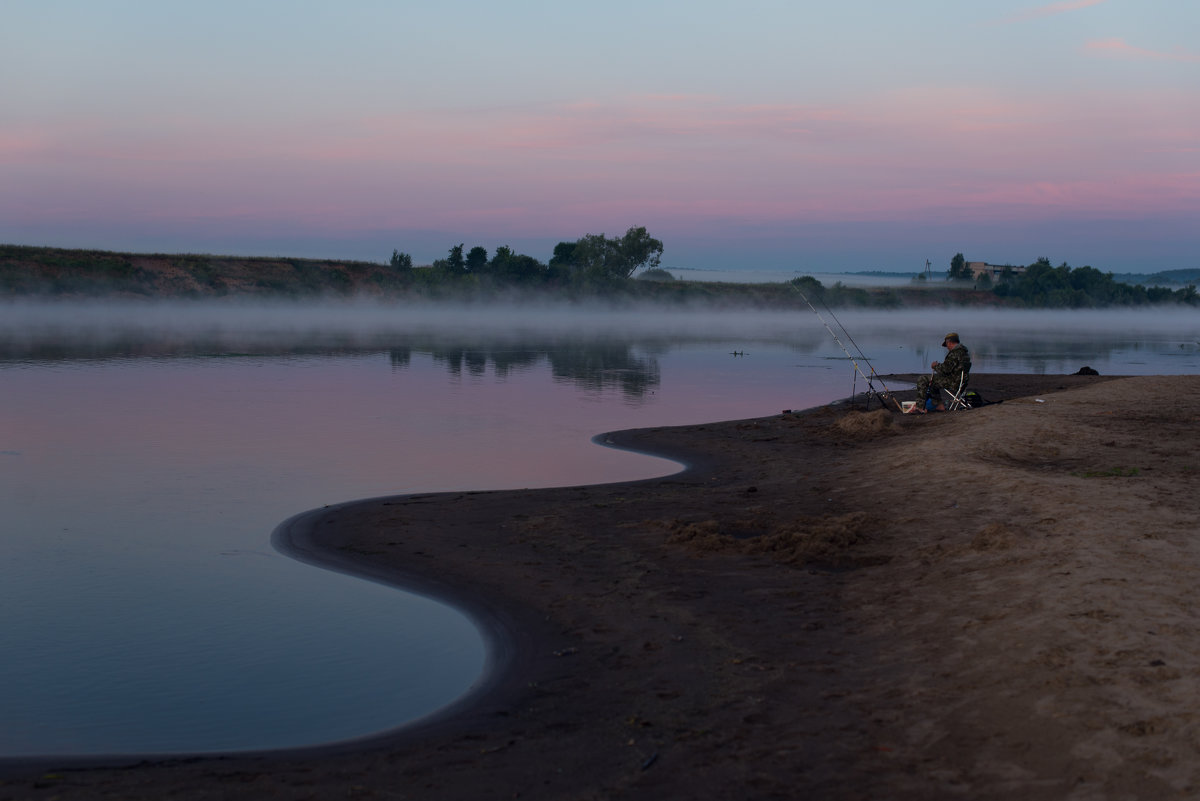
594, 365
146, 453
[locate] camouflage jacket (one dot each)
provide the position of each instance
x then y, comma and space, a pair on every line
957, 361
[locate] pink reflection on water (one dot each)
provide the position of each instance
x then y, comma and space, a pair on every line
128, 486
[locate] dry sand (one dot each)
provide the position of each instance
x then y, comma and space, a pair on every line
999, 603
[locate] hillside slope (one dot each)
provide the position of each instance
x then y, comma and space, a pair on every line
51, 271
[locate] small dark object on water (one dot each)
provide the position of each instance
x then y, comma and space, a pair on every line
1087, 371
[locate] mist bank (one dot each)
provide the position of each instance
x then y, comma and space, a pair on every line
43, 329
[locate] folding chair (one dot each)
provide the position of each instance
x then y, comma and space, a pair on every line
958, 397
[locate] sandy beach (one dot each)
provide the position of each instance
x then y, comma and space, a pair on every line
834, 604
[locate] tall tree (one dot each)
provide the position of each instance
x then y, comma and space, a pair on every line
958, 268
638, 249
401, 261
597, 256
477, 260
455, 263
564, 254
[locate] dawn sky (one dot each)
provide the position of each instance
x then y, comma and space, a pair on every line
800, 135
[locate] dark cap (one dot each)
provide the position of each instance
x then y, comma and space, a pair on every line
951, 337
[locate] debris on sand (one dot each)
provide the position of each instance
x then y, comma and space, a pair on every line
866, 425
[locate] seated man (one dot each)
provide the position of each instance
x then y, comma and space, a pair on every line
946, 375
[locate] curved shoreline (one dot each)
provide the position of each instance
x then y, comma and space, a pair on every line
509, 630
650, 658
508, 633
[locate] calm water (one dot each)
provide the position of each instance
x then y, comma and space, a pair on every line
147, 453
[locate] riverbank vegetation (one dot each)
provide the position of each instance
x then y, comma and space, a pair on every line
617, 270
1044, 286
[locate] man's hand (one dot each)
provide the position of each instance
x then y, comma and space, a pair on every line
934, 365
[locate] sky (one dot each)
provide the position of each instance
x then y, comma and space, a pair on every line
791, 135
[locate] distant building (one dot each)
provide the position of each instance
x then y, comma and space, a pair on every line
980, 268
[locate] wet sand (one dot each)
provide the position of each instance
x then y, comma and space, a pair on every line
1000, 603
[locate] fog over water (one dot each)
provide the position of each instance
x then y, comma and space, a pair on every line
148, 449
371, 319
1000, 340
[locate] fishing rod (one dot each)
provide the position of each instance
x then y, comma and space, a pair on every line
870, 379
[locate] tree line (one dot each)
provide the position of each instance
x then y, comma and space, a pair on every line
1043, 285
591, 260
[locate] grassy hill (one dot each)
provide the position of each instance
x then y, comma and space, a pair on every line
52, 271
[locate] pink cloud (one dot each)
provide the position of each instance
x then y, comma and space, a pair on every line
595, 164
1116, 195
20, 146
1119, 48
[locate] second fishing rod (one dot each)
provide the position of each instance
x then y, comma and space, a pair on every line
886, 394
